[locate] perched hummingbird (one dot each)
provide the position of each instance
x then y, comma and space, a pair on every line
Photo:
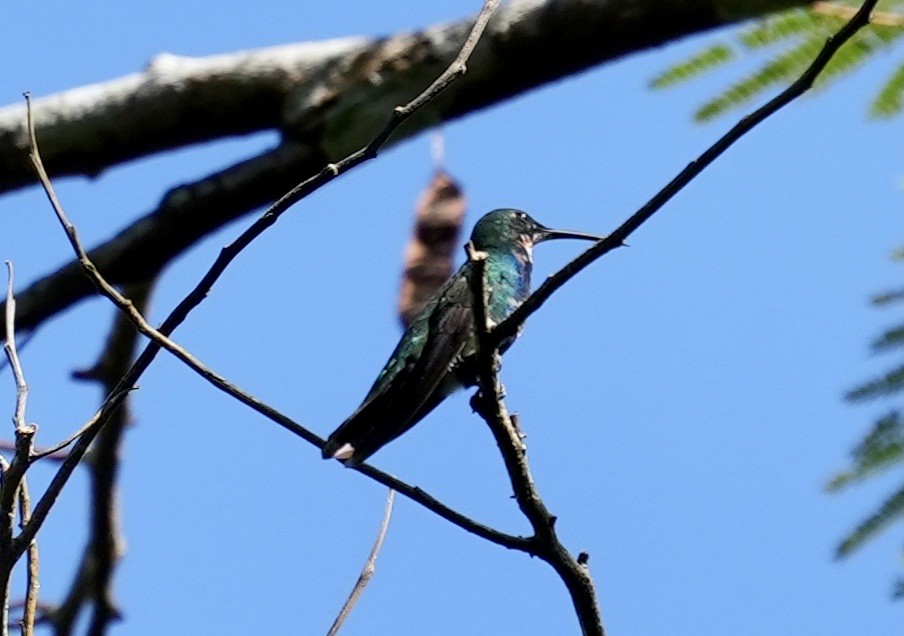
435, 357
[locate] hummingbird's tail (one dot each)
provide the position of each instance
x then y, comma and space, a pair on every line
337, 448
356, 439
377, 422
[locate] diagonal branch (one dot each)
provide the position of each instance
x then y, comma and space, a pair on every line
509, 326
367, 572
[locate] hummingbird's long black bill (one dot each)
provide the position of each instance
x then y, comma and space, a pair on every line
548, 234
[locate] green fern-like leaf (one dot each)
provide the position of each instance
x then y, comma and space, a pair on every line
711, 57
897, 592
890, 99
797, 35
886, 385
857, 51
785, 67
881, 449
783, 26
891, 339
888, 298
891, 510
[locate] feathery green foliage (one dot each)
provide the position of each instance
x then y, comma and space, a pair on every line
782, 26
889, 512
794, 38
888, 384
706, 59
782, 69
890, 99
891, 339
883, 446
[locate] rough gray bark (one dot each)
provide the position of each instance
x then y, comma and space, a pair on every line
326, 98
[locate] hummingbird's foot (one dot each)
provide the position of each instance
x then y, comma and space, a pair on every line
480, 402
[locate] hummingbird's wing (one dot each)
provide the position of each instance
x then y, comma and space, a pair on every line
418, 376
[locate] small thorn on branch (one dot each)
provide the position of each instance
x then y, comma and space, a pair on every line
583, 558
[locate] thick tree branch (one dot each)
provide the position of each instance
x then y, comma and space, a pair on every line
329, 105
331, 94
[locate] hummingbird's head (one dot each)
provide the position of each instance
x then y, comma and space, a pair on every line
505, 228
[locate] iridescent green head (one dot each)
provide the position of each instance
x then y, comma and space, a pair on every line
506, 228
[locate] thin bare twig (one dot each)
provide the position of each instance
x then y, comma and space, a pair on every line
111, 404
118, 397
12, 355
12, 485
491, 407
368, 571
6, 445
24, 339
32, 579
509, 326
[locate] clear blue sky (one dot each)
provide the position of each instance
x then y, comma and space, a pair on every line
682, 397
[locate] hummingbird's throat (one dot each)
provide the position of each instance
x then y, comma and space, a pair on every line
526, 241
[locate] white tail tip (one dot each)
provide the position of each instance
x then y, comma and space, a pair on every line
344, 452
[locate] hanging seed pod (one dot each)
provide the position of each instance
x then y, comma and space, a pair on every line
429, 256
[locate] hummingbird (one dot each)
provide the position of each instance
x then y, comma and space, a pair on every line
436, 355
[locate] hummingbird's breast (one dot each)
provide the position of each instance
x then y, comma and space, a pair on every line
507, 281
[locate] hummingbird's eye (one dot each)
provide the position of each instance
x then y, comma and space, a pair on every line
522, 215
